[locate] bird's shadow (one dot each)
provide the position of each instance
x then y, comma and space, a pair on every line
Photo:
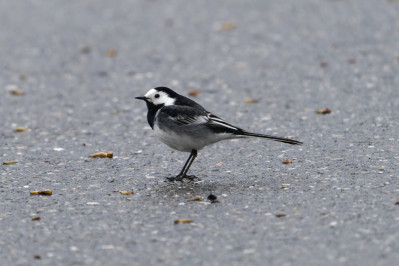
203, 186
185, 187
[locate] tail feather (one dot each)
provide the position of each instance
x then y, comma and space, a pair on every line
284, 140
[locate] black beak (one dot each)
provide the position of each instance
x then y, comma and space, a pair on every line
141, 98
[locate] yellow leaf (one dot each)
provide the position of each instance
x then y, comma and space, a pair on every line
195, 199
126, 192
323, 111
178, 221
11, 162
42, 192
21, 129
250, 100
102, 155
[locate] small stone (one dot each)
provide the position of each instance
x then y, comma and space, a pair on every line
213, 198
333, 224
92, 203
85, 49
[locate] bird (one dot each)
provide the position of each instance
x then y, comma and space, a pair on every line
186, 126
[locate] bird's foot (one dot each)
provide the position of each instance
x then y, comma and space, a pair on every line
180, 178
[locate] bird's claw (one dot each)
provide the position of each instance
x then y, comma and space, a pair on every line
180, 178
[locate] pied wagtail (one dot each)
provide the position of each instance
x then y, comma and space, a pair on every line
186, 126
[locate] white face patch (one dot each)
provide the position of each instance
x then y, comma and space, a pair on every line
159, 97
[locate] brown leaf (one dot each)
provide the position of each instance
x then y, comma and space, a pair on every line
42, 192
279, 215
37, 257
195, 199
126, 192
17, 92
323, 111
178, 221
37, 218
102, 155
397, 203
10, 162
228, 26
220, 164
194, 93
287, 162
111, 53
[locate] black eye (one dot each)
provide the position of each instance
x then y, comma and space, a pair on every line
156, 95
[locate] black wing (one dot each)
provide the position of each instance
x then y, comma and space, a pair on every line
182, 115
187, 115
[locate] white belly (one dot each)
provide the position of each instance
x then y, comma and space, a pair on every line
187, 142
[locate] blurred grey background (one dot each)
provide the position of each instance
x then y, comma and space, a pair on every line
79, 65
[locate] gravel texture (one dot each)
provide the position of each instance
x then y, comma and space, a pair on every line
81, 63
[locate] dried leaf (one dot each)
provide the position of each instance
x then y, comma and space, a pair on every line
178, 221
10, 162
323, 111
37, 257
228, 26
42, 192
102, 155
17, 92
37, 218
194, 93
250, 100
195, 199
279, 215
397, 203
126, 192
287, 162
220, 164
111, 53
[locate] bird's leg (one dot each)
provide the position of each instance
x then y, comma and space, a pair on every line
193, 156
187, 165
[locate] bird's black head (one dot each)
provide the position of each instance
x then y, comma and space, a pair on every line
160, 96
157, 98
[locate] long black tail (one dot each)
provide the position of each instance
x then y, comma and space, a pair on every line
289, 141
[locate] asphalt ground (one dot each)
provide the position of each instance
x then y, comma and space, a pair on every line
266, 66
